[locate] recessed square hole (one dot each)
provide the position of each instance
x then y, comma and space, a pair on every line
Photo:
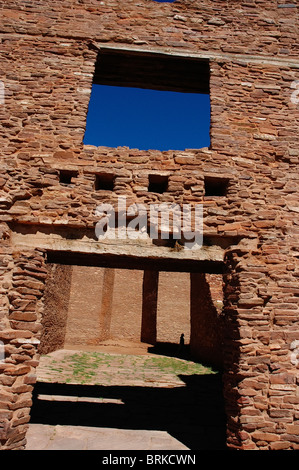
66, 176
104, 181
215, 186
157, 183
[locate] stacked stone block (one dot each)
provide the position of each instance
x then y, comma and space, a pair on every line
48, 55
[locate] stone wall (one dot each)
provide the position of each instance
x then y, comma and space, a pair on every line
48, 56
20, 334
78, 308
55, 309
85, 307
206, 323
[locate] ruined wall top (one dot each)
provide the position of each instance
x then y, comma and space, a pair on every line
260, 27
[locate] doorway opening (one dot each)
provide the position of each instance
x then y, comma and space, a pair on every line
97, 371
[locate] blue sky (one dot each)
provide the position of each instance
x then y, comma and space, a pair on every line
147, 119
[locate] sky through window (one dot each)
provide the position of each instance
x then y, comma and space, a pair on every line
147, 119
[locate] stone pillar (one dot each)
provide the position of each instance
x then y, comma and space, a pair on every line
261, 370
205, 337
25, 276
56, 304
85, 306
107, 299
149, 307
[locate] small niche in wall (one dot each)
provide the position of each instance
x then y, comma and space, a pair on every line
157, 184
66, 177
215, 186
104, 181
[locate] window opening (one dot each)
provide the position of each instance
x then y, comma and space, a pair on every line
149, 101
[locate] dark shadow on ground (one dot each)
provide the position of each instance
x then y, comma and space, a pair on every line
171, 350
193, 414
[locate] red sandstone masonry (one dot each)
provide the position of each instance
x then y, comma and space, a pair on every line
48, 53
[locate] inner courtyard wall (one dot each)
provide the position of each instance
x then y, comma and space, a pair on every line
74, 296
48, 54
56, 308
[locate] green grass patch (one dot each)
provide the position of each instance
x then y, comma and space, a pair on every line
87, 367
177, 366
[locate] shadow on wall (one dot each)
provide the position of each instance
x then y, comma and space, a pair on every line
193, 414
